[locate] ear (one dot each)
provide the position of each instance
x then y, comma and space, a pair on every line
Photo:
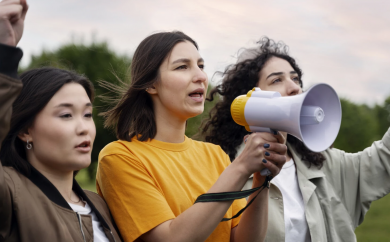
151, 90
24, 136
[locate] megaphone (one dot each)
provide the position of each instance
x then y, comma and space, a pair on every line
314, 117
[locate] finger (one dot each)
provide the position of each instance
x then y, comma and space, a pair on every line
272, 168
276, 147
245, 139
9, 2
274, 158
25, 8
263, 137
11, 12
279, 136
16, 17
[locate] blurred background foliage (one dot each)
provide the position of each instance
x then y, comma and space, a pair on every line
361, 124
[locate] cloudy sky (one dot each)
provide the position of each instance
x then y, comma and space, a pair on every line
345, 43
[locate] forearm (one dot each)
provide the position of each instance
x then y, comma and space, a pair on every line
9, 90
201, 219
9, 87
254, 221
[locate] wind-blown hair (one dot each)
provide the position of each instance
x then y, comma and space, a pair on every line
238, 79
133, 113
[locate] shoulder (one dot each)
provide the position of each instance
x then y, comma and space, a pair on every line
212, 151
333, 156
94, 197
207, 146
12, 176
119, 147
120, 154
99, 203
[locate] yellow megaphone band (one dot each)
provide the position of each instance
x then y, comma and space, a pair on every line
237, 109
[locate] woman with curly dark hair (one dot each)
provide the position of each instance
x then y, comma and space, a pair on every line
318, 196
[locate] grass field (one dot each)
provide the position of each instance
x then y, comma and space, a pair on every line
376, 225
375, 228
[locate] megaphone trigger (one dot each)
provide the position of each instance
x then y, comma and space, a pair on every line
265, 172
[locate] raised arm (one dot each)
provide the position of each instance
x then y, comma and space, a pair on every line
12, 15
362, 177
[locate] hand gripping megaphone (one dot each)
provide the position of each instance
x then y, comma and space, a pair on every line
314, 117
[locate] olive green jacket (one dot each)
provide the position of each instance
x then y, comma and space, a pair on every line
337, 196
31, 208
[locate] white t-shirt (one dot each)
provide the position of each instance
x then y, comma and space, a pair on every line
98, 234
296, 228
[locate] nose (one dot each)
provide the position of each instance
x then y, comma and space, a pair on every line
199, 75
292, 88
82, 127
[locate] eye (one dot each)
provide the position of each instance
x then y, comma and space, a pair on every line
297, 80
276, 80
66, 115
88, 115
201, 66
182, 67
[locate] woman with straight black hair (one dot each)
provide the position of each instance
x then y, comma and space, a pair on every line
46, 136
152, 176
317, 196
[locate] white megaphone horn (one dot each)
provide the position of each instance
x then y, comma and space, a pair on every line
314, 117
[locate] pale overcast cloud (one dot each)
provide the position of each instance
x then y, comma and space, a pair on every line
345, 43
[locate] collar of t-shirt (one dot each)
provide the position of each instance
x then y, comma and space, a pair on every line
296, 228
98, 234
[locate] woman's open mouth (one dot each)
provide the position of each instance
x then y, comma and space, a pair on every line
84, 147
197, 95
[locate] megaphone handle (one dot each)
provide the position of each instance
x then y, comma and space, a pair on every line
260, 129
265, 172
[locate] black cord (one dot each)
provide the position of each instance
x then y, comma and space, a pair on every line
229, 196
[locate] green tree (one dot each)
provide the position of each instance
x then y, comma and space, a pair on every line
97, 62
359, 127
383, 114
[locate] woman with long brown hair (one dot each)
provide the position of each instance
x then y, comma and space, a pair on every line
153, 174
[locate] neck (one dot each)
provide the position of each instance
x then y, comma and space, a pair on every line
63, 181
169, 128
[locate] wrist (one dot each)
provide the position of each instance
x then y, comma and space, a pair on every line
240, 168
9, 59
258, 179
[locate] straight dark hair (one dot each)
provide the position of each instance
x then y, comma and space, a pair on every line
39, 86
133, 115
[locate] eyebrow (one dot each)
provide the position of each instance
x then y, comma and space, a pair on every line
69, 105
279, 73
186, 60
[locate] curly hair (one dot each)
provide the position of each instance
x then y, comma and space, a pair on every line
238, 79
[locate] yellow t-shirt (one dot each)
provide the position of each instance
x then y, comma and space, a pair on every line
148, 183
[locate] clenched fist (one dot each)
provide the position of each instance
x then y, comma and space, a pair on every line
12, 15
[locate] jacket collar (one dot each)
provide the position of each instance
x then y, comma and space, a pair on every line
303, 166
55, 196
